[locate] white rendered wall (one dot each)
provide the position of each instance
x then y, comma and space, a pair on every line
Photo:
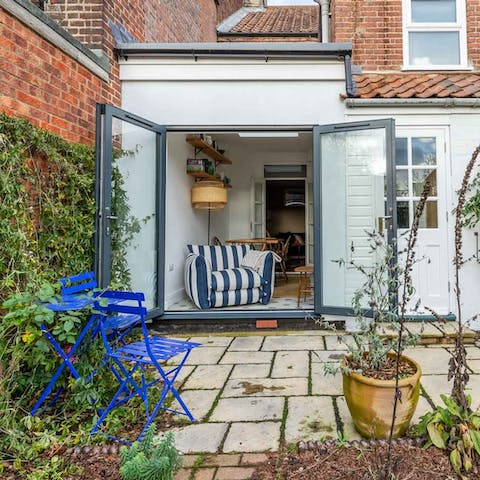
462, 130
233, 92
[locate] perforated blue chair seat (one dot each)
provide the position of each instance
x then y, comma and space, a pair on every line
162, 349
69, 303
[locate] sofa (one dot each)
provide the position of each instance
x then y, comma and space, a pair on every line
215, 276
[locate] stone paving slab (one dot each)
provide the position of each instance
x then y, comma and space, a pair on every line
248, 409
327, 356
242, 344
430, 363
213, 341
309, 418
208, 377
424, 329
349, 429
293, 342
234, 473
199, 402
256, 370
325, 384
246, 357
265, 387
199, 437
253, 437
200, 356
290, 364
434, 385
334, 343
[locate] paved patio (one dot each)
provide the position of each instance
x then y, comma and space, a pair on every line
253, 393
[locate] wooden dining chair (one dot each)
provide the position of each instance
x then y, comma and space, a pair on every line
283, 255
216, 242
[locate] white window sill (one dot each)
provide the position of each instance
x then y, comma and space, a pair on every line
436, 68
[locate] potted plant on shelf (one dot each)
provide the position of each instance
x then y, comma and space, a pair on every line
380, 384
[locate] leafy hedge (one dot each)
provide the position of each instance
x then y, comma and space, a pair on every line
47, 208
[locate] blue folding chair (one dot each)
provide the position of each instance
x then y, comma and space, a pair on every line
78, 292
129, 359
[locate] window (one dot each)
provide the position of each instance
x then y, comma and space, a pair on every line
416, 162
434, 34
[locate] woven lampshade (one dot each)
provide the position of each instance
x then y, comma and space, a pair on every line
209, 196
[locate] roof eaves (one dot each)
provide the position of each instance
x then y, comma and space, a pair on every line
236, 49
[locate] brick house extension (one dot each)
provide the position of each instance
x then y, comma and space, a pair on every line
57, 58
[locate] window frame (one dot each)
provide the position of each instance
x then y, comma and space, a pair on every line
409, 167
459, 26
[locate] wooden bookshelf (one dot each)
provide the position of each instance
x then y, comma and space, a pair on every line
208, 150
199, 175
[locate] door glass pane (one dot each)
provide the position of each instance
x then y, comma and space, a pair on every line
402, 183
419, 177
353, 177
429, 218
424, 151
424, 48
401, 151
433, 11
402, 215
133, 210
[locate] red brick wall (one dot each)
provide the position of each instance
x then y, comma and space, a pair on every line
226, 8
375, 27
45, 85
41, 83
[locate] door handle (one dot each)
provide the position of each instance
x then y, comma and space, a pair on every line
112, 217
381, 220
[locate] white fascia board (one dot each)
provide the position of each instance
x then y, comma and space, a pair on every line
224, 70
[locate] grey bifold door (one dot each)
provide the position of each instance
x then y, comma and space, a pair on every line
354, 179
130, 199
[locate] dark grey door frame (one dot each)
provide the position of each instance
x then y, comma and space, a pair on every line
389, 125
103, 191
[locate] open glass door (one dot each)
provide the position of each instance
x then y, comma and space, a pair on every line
130, 193
258, 208
354, 178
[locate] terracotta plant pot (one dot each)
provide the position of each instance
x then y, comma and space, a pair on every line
370, 402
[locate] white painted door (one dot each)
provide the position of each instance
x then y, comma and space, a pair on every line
257, 222
420, 155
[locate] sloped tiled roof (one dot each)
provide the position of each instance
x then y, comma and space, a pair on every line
418, 85
286, 20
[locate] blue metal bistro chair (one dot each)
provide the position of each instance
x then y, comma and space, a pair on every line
78, 292
129, 362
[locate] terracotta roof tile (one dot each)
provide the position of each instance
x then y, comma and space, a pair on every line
418, 85
297, 19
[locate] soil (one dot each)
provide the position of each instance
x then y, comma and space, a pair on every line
387, 371
356, 463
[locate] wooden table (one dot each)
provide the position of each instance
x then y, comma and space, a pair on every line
265, 242
304, 285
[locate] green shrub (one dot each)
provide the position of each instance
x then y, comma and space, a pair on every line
146, 461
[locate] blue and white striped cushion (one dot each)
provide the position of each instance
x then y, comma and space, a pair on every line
198, 280
235, 279
235, 297
221, 257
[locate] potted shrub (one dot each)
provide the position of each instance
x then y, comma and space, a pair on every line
376, 374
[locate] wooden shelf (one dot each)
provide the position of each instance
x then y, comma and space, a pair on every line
199, 175
208, 150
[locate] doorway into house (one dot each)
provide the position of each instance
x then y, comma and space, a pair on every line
285, 213
146, 220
